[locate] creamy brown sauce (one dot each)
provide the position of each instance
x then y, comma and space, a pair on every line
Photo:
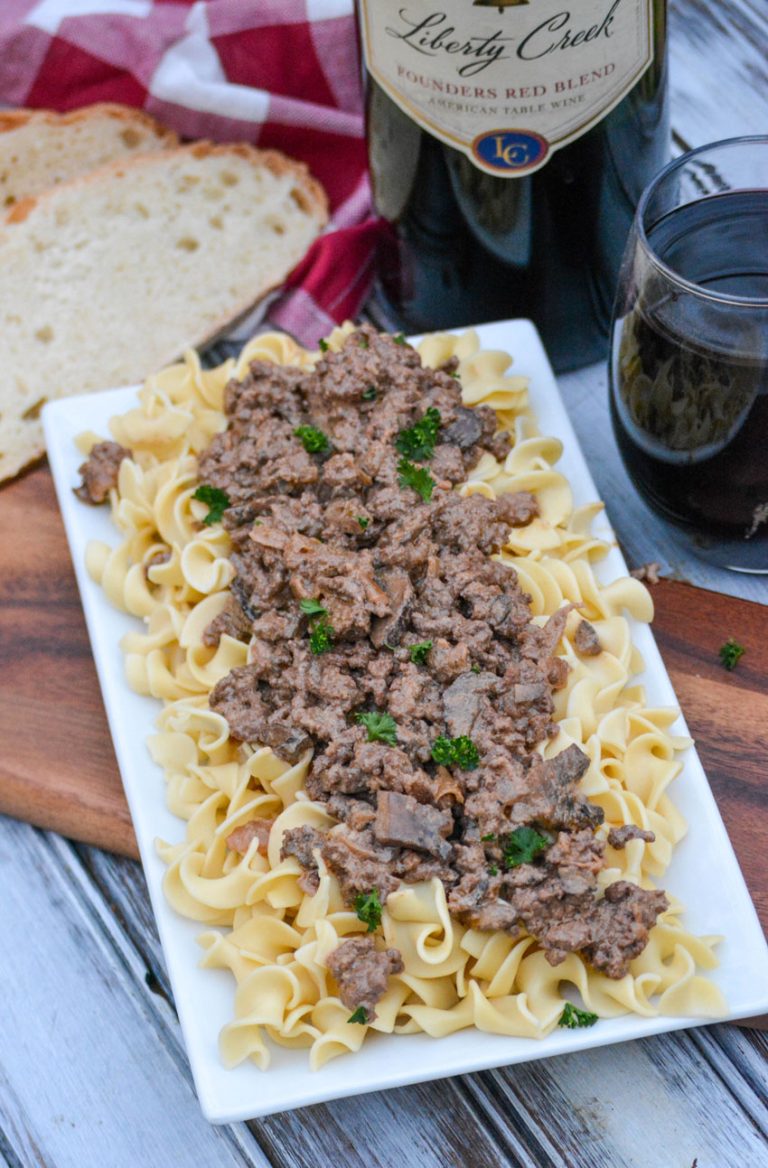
419, 680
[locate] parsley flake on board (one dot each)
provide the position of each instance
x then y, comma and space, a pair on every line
312, 607
369, 393
368, 909
522, 845
399, 339
418, 441
360, 1016
459, 752
321, 636
573, 1017
361, 519
731, 653
417, 477
313, 440
323, 346
380, 727
217, 501
419, 652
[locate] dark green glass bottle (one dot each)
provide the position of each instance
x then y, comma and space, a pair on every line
509, 145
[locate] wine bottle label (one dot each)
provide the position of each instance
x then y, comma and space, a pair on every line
507, 81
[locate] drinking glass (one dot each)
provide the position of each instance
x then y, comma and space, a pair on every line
688, 367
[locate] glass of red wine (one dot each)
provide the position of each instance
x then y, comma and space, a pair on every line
689, 351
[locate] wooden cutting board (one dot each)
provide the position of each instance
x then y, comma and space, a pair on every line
58, 769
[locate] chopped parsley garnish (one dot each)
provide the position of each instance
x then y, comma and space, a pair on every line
475, 668
368, 909
419, 652
217, 501
312, 607
456, 376
493, 870
399, 339
362, 341
417, 477
459, 752
323, 346
312, 439
321, 636
731, 653
522, 845
380, 727
321, 630
418, 441
360, 1016
573, 1017
361, 519
489, 836
369, 393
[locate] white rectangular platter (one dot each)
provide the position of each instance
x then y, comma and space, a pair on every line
704, 873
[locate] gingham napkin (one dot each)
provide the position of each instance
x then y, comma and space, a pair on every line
281, 73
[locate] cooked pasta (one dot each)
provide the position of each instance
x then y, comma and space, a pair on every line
173, 572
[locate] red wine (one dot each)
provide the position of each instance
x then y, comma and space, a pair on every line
690, 378
530, 219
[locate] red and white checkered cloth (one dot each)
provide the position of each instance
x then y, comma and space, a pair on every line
279, 73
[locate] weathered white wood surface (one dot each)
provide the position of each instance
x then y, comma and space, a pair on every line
718, 69
91, 1066
92, 1071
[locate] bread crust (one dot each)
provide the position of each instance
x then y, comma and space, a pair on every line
16, 119
312, 197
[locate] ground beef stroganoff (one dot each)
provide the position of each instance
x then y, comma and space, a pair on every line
384, 706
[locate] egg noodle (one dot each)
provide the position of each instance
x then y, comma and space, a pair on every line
259, 924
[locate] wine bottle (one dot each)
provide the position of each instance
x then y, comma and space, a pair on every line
509, 142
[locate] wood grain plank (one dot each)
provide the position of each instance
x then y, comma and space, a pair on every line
727, 712
96, 1071
718, 68
58, 768
431, 1126
758, 1041
726, 1047
18, 1144
629, 1106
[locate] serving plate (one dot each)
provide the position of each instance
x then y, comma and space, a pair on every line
704, 872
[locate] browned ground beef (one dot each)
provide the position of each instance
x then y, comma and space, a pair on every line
620, 924
619, 837
255, 829
392, 571
301, 842
362, 972
100, 471
231, 622
587, 640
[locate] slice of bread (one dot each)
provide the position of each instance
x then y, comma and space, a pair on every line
105, 279
40, 149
